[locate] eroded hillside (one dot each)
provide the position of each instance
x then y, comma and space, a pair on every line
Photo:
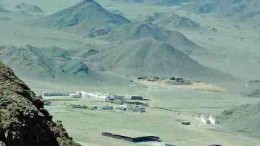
23, 119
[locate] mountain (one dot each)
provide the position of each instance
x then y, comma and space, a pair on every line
135, 31
143, 48
172, 20
84, 17
245, 9
156, 2
23, 119
51, 62
148, 56
23, 7
244, 119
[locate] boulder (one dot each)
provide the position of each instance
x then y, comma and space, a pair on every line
23, 119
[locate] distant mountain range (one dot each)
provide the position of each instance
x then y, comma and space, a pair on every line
85, 17
156, 2
245, 9
137, 48
172, 21
23, 7
143, 47
49, 63
240, 9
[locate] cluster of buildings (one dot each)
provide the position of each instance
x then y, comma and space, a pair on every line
88, 95
172, 80
132, 103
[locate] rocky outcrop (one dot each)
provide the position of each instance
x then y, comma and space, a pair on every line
23, 119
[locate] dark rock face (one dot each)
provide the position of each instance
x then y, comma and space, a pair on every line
23, 120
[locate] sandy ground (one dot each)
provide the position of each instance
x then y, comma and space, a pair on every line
193, 86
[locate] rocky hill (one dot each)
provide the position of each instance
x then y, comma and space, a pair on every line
148, 56
244, 119
139, 30
142, 48
172, 21
157, 2
50, 62
85, 17
23, 119
240, 9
